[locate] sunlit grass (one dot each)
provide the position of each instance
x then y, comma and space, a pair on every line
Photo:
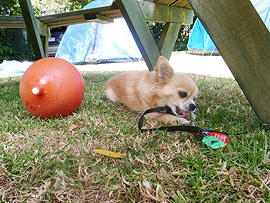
52, 159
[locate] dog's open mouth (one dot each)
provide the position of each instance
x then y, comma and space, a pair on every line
183, 114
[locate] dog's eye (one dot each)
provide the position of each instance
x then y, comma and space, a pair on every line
182, 94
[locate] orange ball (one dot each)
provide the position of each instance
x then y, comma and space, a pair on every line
51, 88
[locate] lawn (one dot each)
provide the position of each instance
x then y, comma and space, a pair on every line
51, 160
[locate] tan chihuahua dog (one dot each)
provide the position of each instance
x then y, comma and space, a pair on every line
142, 90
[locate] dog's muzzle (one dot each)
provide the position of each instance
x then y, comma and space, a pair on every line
186, 114
192, 107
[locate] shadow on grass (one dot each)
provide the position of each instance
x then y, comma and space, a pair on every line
52, 159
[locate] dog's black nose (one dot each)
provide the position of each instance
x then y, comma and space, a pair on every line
192, 107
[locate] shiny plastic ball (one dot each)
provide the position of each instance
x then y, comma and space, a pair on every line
51, 88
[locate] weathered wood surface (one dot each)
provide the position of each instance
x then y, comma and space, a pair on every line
93, 17
12, 22
243, 41
75, 17
179, 3
32, 28
106, 14
152, 12
167, 39
166, 14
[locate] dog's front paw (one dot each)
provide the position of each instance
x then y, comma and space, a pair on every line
168, 118
184, 121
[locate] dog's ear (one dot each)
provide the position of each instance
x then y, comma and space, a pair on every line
163, 69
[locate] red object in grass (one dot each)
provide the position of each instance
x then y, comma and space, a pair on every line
51, 88
220, 136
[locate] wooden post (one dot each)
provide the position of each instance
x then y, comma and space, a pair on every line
32, 29
244, 42
167, 39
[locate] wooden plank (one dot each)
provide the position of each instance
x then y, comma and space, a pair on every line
155, 12
45, 43
168, 39
176, 3
75, 17
93, 17
134, 17
12, 22
243, 41
166, 2
32, 29
112, 13
152, 13
185, 17
18, 22
64, 19
182, 4
166, 14
43, 29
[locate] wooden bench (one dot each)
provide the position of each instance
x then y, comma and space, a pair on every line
173, 13
235, 27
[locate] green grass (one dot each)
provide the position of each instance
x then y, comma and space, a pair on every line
51, 160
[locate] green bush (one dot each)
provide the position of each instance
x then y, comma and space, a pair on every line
5, 48
14, 46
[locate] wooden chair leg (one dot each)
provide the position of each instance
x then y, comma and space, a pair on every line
32, 29
168, 39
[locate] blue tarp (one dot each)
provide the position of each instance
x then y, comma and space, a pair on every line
200, 42
94, 42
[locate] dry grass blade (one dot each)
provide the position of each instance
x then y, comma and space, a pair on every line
53, 160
